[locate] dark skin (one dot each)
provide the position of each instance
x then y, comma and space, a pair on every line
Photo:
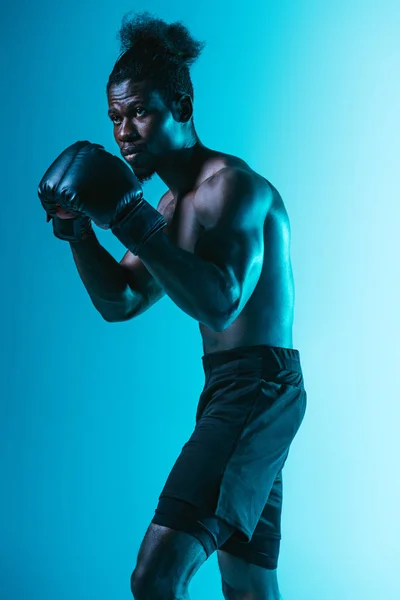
224, 258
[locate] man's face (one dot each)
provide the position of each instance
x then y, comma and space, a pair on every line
144, 127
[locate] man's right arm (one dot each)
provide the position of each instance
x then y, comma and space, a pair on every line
119, 290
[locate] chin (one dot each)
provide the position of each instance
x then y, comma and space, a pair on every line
143, 175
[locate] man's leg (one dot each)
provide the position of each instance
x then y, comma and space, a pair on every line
166, 563
244, 581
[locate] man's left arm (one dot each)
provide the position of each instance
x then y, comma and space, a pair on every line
213, 284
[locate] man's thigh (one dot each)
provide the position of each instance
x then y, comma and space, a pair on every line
211, 531
263, 548
249, 570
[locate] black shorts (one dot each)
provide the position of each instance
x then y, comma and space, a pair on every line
226, 485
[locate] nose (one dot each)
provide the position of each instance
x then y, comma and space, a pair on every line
127, 132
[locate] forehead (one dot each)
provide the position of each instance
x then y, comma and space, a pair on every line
129, 91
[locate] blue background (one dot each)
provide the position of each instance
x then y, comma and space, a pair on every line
94, 414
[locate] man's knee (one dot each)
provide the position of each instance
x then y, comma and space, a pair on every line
138, 585
147, 586
167, 560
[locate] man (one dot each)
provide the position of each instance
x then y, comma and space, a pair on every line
219, 246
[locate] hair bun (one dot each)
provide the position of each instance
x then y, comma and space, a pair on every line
148, 35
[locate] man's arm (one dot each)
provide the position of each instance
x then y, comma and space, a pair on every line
213, 284
119, 290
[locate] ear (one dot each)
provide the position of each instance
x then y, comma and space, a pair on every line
183, 108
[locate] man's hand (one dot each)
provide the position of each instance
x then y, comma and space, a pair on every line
85, 180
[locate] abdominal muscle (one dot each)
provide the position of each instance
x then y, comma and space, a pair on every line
257, 324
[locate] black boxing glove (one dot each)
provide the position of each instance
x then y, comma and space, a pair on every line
87, 180
71, 230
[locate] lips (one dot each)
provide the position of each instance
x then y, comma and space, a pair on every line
130, 151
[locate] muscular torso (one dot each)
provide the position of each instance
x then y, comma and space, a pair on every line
267, 318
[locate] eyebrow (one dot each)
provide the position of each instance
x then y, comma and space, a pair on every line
128, 106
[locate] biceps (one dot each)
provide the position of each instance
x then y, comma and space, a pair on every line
238, 254
249, 266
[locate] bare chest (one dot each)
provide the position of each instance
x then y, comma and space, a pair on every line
183, 227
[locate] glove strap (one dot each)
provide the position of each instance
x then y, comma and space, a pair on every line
138, 225
72, 230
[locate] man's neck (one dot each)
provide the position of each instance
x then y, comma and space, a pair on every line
181, 168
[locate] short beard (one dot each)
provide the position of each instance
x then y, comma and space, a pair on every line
143, 177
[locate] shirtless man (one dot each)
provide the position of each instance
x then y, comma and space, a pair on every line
218, 245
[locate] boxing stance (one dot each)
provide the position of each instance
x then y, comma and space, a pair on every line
218, 244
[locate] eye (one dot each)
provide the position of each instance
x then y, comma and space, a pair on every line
138, 112
141, 110
115, 119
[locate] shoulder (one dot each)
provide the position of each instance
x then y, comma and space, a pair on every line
233, 189
224, 172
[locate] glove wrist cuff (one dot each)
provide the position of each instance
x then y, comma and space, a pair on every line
72, 230
137, 225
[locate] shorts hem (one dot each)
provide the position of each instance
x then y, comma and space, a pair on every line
245, 534
252, 558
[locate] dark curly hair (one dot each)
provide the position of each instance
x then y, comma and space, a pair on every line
153, 49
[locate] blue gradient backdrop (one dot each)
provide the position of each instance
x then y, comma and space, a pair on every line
94, 414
